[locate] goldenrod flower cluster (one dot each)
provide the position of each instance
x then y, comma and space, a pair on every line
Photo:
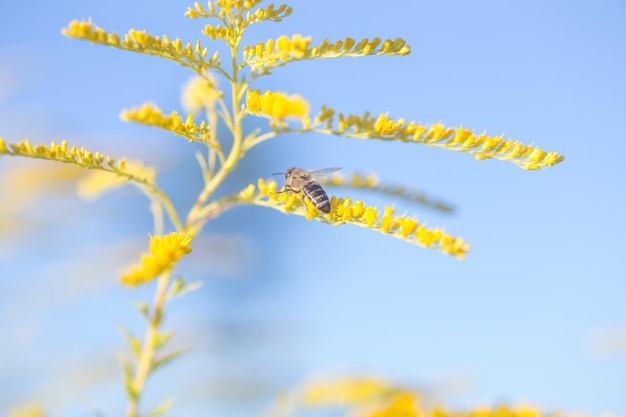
226, 7
82, 158
404, 405
262, 58
191, 56
370, 397
164, 252
436, 135
149, 115
201, 93
346, 392
345, 211
237, 4
281, 49
277, 106
459, 139
500, 411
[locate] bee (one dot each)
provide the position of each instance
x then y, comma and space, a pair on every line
299, 180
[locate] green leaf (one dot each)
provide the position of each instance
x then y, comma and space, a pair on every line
142, 308
128, 377
133, 342
130, 390
161, 408
165, 359
161, 339
179, 288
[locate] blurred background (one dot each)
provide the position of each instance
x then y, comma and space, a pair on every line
535, 314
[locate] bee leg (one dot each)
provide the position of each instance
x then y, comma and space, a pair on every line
285, 189
304, 202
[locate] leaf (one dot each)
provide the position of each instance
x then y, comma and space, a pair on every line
180, 288
128, 377
130, 390
166, 359
161, 339
133, 342
161, 408
143, 309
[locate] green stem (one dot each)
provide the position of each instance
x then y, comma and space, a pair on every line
171, 211
146, 357
194, 219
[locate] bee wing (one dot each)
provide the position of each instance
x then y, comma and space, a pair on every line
322, 172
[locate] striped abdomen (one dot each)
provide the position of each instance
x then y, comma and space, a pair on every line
317, 196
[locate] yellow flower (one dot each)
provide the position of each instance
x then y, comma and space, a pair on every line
236, 4
81, 158
247, 193
150, 115
163, 254
402, 406
346, 391
479, 146
296, 47
262, 58
276, 52
278, 106
345, 211
199, 95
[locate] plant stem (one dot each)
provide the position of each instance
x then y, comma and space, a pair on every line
192, 225
146, 358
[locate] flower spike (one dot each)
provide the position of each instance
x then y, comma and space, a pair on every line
436, 135
345, 211
149, 115
135, 172
262, 58
260, 15
191, 56
82, 158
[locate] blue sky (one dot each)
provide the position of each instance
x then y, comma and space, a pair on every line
531, 314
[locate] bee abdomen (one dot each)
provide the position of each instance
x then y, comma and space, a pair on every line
316, 194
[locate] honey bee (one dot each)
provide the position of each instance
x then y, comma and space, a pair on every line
299, 180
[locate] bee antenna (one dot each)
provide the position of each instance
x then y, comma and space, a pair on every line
279, 173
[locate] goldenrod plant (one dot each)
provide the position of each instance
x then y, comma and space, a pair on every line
222, 92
